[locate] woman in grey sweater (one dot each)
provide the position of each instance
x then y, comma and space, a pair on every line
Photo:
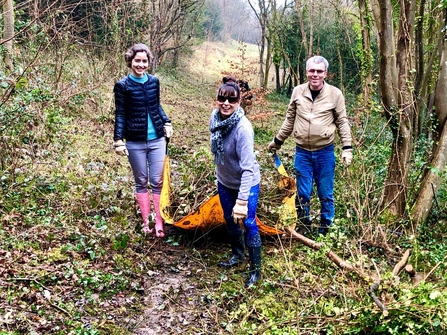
238, 177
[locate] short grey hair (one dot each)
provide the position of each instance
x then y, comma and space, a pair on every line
317, 60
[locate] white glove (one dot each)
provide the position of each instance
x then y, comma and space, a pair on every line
168, 130
273, 146
240, 210
120, 148
346, 157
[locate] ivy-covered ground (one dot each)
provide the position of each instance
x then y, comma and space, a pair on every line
73, 259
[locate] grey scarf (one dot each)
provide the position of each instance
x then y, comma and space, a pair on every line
219, 128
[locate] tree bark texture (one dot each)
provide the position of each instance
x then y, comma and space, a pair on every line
398, 101
8, 33
262, 17
299, 10
432, 178
168, 28
366, 65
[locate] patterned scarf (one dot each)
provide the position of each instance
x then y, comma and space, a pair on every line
219, 128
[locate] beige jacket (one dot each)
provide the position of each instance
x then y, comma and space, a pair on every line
312, 123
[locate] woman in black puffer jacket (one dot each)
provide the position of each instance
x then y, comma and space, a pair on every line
142, 123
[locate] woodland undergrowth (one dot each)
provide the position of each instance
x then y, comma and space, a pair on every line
73, 259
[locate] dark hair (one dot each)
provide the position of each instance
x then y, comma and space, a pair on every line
229, 89
228, 79
132, 51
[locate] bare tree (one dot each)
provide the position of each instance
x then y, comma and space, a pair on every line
432, 178
397, 99
171, 25
8, 33
306, 43
262, 10
428, 43
238, 20
366, 59
397, 55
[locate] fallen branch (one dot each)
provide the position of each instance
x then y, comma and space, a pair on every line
385, 243
401, 264
373, 289
415, 277
332, 255
436, 266
342, 264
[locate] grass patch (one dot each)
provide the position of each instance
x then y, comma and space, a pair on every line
73, 260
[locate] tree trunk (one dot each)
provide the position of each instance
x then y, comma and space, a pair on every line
311, 28
268, 63
8, 33
428, 44
366, 59
398, 102
299, 10
419, 65
432, 178
277, 78
262, 17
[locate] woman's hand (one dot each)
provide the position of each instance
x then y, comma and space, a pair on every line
120, 148
240, 210
168, 130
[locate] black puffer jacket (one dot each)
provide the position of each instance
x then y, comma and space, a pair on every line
134, 102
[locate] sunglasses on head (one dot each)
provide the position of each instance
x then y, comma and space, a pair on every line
231, 100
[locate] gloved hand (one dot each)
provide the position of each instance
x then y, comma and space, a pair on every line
168, 130
346, 157
120, 148
273, 146
240, 210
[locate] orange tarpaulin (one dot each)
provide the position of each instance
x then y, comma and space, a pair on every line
210, 215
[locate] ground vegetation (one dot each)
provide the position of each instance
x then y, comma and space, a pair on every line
74, 261
72, 256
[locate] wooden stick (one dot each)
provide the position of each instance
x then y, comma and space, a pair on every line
401, 264
343, 265
373, 289
415, 277
332, 255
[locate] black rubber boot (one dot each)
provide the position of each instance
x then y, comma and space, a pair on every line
255, 266
237, 249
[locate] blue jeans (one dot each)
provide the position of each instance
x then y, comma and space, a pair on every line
228, 199
318, 166
147, 160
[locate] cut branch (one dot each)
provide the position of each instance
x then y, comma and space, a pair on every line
343, 265
373, 289
401, 264
331, 255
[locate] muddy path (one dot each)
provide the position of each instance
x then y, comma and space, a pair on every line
179, 286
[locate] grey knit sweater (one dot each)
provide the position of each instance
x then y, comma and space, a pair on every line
240, 170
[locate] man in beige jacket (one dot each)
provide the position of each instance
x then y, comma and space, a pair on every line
316, 110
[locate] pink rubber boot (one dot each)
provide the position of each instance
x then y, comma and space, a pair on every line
145, 209
159, 224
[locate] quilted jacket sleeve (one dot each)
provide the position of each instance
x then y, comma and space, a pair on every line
120, 112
